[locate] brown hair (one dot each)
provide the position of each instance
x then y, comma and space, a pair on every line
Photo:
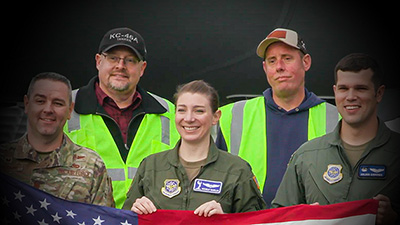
356, 62
201, 87
50, 76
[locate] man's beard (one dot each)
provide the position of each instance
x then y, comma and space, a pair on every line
118, 87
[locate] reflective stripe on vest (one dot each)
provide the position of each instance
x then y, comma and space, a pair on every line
237, 126
119, 174
164, 120
156, 133
74, 121
116, 174
242, 117
322, 123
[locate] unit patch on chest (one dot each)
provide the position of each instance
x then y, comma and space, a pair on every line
333, 174
171, 188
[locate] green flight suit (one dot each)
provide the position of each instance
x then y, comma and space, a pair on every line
224, 178
319, 171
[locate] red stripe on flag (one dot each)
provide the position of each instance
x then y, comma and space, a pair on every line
285, 214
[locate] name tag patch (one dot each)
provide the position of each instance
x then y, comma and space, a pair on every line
207, 186
372, 172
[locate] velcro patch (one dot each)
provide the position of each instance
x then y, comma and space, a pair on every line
372, 172
207, 186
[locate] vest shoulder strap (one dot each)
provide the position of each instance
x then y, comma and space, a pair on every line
160, 100
74, 121
332, 117
255, 107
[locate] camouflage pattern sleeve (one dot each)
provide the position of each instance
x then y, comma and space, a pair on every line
102, 193
70, 172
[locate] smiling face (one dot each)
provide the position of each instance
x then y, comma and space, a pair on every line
47, 108
356, 97
116, 78
194, 117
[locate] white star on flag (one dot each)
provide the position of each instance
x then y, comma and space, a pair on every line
125, 223
42, 222
97, 221
17, 216
19, 196
5, 201
44, 204
71, 214
31, 210
56, 218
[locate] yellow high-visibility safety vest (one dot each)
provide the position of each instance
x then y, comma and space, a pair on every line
243, 125
156, 133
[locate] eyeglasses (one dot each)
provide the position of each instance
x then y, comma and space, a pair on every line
128, 61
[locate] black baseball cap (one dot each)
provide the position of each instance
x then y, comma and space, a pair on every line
124, 37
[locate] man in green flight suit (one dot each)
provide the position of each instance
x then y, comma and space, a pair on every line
360, 159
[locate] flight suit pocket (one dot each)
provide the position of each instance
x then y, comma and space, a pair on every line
226, 201
318, 190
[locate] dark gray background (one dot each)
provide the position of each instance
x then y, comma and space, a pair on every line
186, 40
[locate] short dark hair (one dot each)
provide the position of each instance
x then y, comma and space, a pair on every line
201, 87
50, 76
356, 62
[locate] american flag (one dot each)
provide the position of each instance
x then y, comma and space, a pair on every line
23, 204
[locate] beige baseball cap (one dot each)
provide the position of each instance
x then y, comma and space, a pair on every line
286, 36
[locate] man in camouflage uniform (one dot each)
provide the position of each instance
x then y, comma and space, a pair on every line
45, 157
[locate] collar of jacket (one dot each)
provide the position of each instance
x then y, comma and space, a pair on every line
59, 156
382, 136
173, 156
310, 100
86, 100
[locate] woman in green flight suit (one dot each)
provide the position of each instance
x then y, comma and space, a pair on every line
195, 175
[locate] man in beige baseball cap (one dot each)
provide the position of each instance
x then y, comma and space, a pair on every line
286, 36
286, 116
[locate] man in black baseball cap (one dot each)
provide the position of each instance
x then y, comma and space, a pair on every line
124, 37
117, 118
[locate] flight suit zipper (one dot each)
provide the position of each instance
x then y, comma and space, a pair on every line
189, 189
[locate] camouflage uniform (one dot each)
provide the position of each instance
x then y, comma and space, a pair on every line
70, 172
